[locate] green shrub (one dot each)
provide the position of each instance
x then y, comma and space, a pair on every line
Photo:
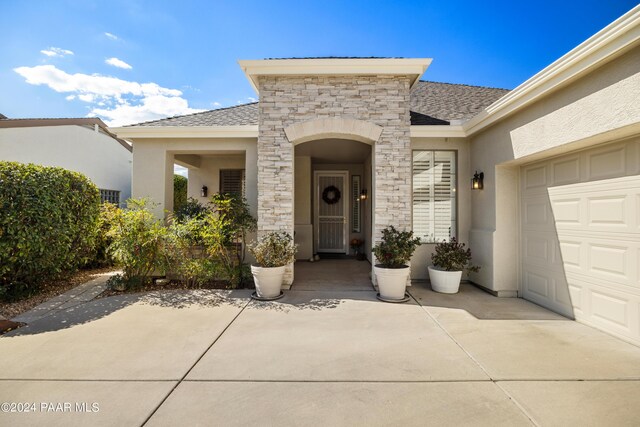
190, 209
48, 225
228, 229
186, 255
452, 256
108, 214
179, 191
138, 239
274, 249
396, 247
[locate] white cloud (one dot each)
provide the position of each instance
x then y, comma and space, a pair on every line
150, 108
118, 63
251, 99
86, 97
123, 101
70, 97
56, 51
111, 36
180, 170
216, 104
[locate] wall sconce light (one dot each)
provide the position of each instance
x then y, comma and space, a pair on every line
477, 183
363, 195
203, 191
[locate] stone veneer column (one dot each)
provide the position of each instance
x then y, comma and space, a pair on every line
383, 100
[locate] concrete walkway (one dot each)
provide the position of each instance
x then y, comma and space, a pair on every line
317, 358
73, 297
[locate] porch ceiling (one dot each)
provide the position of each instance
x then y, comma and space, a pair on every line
334, 151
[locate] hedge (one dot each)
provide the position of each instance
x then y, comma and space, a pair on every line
179, 192
48, 225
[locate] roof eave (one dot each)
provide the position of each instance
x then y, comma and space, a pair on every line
143, 132
413, 67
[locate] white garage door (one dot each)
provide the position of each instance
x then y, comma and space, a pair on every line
581, 237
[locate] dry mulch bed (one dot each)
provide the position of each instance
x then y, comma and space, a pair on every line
50, 290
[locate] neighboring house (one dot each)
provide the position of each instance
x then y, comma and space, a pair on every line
81, 145
557, 221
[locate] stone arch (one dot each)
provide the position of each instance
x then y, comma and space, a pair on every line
333, 127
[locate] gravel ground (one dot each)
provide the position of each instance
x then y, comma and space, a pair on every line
50, 290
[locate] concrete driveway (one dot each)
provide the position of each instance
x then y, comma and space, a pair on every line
316, 358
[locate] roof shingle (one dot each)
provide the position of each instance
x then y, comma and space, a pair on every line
431, 103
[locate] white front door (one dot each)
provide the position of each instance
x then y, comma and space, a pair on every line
331, 211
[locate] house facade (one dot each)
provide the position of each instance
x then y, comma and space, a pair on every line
80, 144
339, 148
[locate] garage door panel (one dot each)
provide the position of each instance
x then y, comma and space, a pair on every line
610, 309
567, 212
542, 249
581, 253
536, 177
537, 214
606, 163
547, 288
566, 171
613, 259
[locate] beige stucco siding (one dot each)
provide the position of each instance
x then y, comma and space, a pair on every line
153, 160
594, 108
96, 155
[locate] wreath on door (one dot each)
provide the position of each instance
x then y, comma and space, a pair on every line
331, 195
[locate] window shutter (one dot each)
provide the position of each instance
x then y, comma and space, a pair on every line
232, 181
434, 196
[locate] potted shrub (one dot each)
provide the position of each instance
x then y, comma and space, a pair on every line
273, 252
393, 254
449, 260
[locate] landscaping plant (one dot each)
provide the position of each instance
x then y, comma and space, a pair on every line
396, 247
190, 209
137, 245
179, 192
227, 234
452, 256
186, 254
274, 249
48, 225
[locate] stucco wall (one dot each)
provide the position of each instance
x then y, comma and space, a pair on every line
153, 161
593, 106
96, 155
209, 174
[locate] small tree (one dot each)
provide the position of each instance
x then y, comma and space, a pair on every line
228, 231
137, 242
179, 191
185, 255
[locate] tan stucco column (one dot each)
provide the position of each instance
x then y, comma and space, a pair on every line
153, 177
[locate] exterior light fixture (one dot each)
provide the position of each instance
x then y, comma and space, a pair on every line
363, 195
203, 191
477, 183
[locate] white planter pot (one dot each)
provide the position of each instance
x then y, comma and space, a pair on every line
268, 280
446, 282
392, 282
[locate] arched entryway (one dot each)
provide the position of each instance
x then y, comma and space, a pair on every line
332, 197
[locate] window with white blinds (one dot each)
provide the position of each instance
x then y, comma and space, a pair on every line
232, 181
434, 195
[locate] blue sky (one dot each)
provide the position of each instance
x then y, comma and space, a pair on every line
128, 61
